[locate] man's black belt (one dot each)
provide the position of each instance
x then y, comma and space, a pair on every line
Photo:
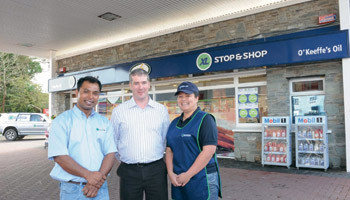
142, 164
78, 183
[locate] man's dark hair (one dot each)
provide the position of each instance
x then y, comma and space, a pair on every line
89, 79
138, 72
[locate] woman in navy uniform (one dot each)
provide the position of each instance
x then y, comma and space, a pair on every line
190, 154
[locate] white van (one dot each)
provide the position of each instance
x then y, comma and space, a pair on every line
17, 125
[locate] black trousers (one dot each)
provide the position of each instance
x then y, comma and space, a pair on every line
150, 179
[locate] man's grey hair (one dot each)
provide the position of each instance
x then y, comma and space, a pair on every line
138, 72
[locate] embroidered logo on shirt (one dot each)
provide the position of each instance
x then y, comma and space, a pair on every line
185, 135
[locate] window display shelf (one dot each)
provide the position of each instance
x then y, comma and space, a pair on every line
280, 153
275, 138
316, 152
311, 139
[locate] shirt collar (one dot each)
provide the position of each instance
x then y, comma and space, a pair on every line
77, 111
150, 102
182, 114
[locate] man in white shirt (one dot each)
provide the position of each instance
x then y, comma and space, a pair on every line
140, 126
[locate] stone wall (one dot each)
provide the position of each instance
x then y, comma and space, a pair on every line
60, 102
279, 102
248, 146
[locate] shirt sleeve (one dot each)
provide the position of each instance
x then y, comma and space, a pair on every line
208, 133
115, 129
109, 146
165, 125
58, 138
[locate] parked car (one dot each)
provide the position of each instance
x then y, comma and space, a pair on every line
17, 125
47, 132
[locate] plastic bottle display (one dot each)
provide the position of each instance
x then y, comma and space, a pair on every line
276, 142
311, 143
274, 132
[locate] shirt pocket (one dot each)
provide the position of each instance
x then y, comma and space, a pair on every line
100, 134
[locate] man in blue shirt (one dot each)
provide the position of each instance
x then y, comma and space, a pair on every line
82, 146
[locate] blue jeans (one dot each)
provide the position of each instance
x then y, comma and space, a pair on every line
71, 191
213, 181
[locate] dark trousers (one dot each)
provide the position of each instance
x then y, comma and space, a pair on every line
149, 178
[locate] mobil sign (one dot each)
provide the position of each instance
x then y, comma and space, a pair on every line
310, 120
274, 120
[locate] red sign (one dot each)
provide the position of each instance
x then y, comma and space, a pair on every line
62, 69
46, 111
327, 18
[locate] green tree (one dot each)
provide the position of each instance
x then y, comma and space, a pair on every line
17, 90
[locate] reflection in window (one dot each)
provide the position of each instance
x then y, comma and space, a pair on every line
308, 105
169, 101
36, 118
24, 118
111, 100
221, 104
224, 81
252, 79
304, 86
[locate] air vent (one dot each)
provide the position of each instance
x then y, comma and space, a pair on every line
109, 16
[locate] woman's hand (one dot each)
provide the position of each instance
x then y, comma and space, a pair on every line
183, 179
173, 180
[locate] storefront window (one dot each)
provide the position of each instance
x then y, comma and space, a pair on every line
166, 87
305, 86
169, 101
307, 97
108, 102
250, 79
308, 105
224, 81
221, 104
252, 104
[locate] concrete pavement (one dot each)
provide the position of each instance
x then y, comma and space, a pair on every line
24, 174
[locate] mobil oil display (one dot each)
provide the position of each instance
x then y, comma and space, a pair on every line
311, 142
276, 141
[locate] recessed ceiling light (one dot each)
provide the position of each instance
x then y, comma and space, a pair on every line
109, 16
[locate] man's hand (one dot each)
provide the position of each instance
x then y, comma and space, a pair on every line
95, 178
90, 191
173, 180
183, 179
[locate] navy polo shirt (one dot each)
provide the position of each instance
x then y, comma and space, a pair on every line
208, 133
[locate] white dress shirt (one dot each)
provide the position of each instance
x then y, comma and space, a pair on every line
140, 134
